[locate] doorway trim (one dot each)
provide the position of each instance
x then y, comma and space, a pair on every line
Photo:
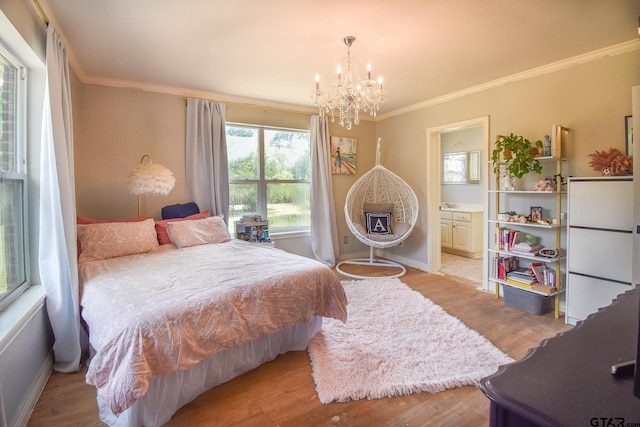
434, 152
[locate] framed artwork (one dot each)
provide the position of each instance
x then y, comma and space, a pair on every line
628, 127
343, 155
536, 213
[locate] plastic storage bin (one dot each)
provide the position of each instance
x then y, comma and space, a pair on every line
527, 301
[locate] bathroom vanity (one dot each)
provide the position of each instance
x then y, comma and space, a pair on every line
461, 230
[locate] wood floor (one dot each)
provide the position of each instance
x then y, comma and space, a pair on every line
282, 392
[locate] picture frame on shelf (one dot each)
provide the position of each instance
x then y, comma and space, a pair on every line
628, 129
535, 213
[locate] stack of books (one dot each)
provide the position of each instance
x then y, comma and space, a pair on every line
521, 277
526, 248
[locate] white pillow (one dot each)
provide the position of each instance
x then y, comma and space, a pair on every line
198, 232
113, 239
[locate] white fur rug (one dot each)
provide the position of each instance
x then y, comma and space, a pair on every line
396, 342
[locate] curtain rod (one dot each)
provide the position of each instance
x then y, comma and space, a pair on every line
41, 12
255, 107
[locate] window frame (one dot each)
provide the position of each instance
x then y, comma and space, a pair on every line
262, 182
21, 172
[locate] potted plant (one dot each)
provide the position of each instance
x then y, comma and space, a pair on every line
517, 154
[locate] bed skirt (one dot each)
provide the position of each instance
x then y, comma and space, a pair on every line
168, 393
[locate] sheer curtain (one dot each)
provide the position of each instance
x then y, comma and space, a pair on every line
207, 176
57, 235
324, 229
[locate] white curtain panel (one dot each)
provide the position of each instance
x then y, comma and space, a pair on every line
207, 171
324, 229
57, 253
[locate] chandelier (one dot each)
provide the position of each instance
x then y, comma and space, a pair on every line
349, 94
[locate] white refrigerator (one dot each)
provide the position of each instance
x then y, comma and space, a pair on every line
599, 243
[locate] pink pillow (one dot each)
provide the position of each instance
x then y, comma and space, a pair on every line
198, 232
161, 226
87, 220
113, 239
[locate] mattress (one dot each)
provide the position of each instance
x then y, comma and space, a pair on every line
157, 313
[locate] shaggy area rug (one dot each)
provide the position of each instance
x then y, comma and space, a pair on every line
396, 342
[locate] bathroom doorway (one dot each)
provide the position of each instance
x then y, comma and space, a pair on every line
463, 198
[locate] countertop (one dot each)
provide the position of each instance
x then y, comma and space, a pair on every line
461, 207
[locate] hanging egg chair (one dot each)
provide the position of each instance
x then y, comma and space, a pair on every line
381, 211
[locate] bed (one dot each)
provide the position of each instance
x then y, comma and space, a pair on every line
167, 322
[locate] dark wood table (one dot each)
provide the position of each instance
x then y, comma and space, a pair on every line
567, 380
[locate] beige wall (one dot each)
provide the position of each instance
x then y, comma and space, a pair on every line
115, 127
591, 99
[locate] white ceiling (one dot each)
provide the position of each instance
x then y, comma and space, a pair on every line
270, 50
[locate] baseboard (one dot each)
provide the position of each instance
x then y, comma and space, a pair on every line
29, 404
408, 262
383, 254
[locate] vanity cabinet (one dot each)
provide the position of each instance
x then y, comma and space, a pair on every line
461, 233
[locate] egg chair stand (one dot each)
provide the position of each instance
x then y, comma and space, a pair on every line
379, 191
372, 261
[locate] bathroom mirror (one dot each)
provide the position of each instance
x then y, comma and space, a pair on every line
461, 168
474, 167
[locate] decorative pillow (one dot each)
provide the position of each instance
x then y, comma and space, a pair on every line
378, 223
375, 208
180, 210
401, 228
198, 232
161, 226
87, 220
113, 239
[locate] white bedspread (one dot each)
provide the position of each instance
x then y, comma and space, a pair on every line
156, 313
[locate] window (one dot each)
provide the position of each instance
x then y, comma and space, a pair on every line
270, 175
14, 276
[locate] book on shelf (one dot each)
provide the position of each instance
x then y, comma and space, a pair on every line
538, 270
524, 277
506, 238
501, 266
550, 278
519, 284
526, 248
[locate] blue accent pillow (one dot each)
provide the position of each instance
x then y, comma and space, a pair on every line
378, 223
180, 210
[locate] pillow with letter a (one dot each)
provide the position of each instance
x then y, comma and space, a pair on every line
378, 223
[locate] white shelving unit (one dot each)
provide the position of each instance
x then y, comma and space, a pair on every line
551, 235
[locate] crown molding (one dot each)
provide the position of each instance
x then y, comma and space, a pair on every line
617, 49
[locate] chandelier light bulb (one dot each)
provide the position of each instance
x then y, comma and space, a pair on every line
349, 95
